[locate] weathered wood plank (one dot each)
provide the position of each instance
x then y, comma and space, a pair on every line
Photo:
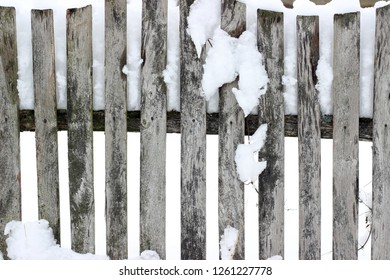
270, 35
80, 129
115, 128
153, 126
10, 191
380, 247
346, 67
193, 145
45, 104
231, 203
212, 121
309, 139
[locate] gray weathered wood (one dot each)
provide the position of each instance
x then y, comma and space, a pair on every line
193, 145
115, 128
380, 247
231, 203
80, 129
153, 126
270, 35
10, 192
45, 111
309, 139
346, 68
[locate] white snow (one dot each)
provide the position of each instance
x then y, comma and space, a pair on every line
203, 20
35, 241
275, 258
228, 243
248, 167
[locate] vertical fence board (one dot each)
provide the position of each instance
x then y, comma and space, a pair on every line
270, 37
231, 133
193, 145
10, 192
309, 139
115, 128
80, 129
153, 126
45, 112
381, 144
346, 67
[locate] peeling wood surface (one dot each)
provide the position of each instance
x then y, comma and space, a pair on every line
346, 67
115, 128
153, 126
271, 111
80, 130
231, 202
380, 247
193, 145
309, 139
10, 189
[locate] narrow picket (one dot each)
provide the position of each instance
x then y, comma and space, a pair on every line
80, 129
231, 203
45, 106
346, 89
270, 38
116, 128
153, 126
10, 188
380, 246
309, 139
193, 145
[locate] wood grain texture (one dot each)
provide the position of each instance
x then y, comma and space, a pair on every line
231, 202
80, 130
309, 139
115, 128
10, 188
380, 247
153, 126
45, 106
270, 35
346, 68
193, 145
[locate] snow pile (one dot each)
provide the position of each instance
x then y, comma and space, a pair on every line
228, 243
148, 255
35, 241
203, 20
248, 168
275, 258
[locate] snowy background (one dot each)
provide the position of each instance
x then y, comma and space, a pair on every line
204, 24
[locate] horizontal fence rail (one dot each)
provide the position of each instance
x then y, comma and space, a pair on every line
193, 122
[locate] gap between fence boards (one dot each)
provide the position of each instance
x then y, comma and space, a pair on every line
27, 123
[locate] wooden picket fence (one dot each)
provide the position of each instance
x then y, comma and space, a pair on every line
193, 122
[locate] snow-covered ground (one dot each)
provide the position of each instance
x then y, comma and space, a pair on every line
203, 26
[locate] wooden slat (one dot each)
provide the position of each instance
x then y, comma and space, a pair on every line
231, 203
309, 139
346, 67
270, 35
381, 145
193, 145
115, 128
80, 131
153, 126
10, 191
45, 107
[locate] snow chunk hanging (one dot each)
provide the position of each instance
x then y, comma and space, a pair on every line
248, 168
203, 20
231, 57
